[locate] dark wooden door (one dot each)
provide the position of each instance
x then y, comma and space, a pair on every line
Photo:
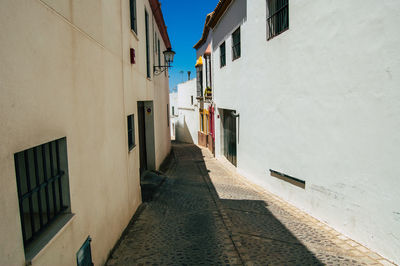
229, 124
142, 137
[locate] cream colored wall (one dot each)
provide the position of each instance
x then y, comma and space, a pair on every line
65, 71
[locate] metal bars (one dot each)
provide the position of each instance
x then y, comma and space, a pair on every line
39, 177
278, 17
236, 52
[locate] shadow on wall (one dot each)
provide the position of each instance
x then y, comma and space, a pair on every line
235, 16
182, 133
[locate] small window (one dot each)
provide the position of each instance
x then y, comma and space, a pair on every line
173, 110
191, 100
159, 52
43, 190
277, 17
236, 44
199, 81
131, 132
222, 55
132, 5
168, 114
146, 17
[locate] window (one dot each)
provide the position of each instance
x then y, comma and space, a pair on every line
191, 100
168, 114
173, 110
199, 80
236, 44
146, 16
159, 52
222, 55
277, 17
132, 5
43, 189
131, 132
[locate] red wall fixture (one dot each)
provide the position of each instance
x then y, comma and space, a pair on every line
132, 56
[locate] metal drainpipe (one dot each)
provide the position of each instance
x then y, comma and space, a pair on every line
235, 115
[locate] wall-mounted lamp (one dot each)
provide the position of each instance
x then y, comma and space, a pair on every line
169, 58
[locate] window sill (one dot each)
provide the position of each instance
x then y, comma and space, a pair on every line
135, 35
132, 148
52, 232
237, 58
268, 39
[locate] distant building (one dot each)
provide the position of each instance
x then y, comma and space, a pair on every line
82, 113
204, 84
184, 113
307, 98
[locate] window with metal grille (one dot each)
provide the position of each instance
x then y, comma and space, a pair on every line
236, 44
131, 131
199, 81
132, 6
43, 187
277, 17
222, 55
146, 16
159, 52
168, 114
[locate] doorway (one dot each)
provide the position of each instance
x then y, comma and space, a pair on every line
229, 135
146, 135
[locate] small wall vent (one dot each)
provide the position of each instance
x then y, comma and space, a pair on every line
292, 180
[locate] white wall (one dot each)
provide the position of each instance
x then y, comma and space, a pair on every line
65, 71
188, 114
320, 102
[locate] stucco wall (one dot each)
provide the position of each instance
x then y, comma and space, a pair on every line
188, 115
65, 71
320, 102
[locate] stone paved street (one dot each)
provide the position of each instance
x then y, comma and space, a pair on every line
204, 214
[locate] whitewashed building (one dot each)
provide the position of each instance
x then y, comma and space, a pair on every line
308, 106
184, 112
83, 111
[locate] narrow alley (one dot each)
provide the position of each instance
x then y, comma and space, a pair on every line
205, 214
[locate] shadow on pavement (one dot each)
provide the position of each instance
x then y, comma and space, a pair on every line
187, 223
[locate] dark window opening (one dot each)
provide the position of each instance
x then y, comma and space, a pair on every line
159, 53
168, 114
43, 187
199, 80
236, 44
277, 17
147, 45
191, 100
222, 52
132, 5
131, 132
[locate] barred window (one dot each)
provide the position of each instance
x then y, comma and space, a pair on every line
222, 55
199, 80
132, 5
131, 131
43, 187
236, 44
277, 17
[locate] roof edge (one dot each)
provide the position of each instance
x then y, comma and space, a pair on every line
158, 16
219, 11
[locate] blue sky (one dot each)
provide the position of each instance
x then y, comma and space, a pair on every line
185, 21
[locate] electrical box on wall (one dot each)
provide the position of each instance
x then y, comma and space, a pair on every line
132, 53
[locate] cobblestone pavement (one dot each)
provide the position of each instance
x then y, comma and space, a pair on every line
204, 214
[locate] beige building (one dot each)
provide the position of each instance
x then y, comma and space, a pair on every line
81, 110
